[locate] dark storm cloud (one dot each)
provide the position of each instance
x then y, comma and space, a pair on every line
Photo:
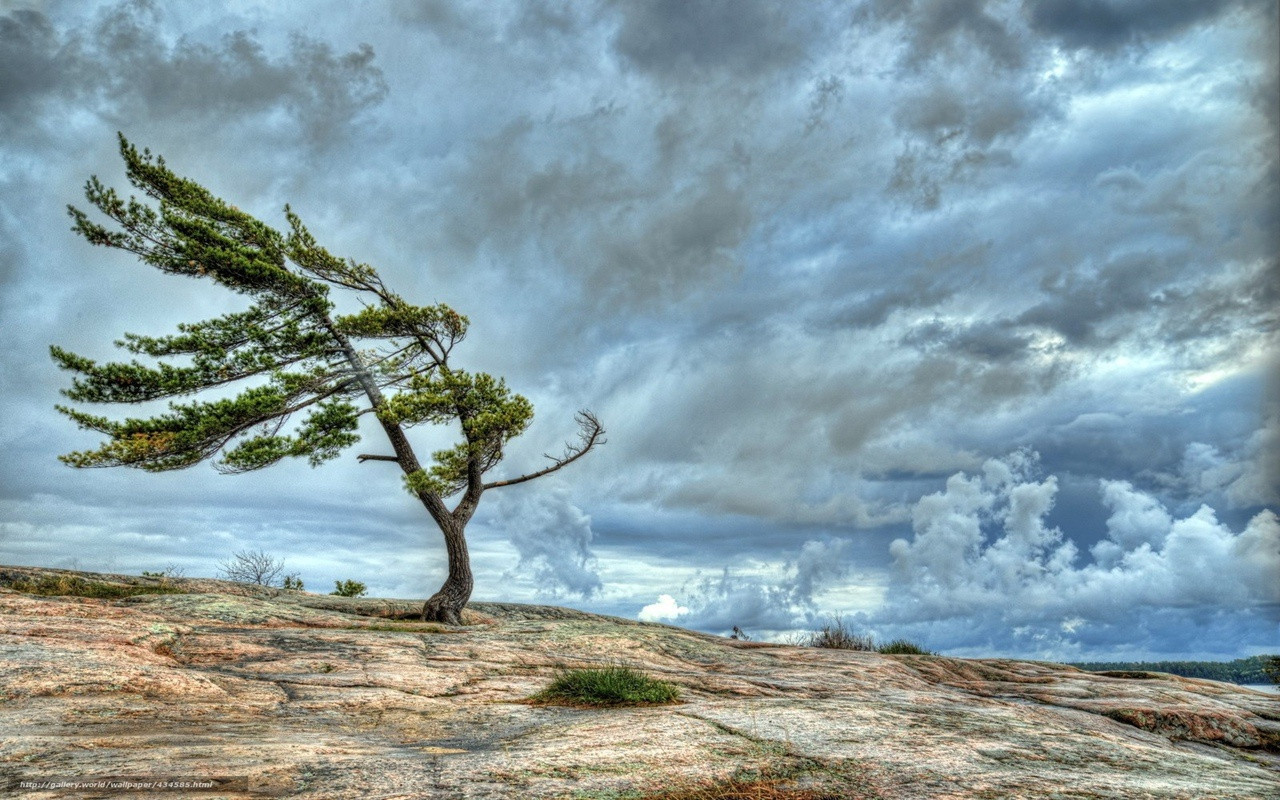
1082, 302
1110, 24
872, 309
695, 235
631, 235
31, 60
936, 30
974, 108
971, 87
742, 38
1121, 300
1265, 95
441, 16
989, 342
121, 66
1212, 311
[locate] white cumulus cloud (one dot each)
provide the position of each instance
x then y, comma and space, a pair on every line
665, 609
983, 569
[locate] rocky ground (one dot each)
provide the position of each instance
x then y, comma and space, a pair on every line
267, 693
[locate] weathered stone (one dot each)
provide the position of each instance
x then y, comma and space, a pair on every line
274, 693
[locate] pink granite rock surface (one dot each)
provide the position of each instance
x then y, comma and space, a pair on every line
264, 693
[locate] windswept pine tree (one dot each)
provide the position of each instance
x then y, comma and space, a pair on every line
305, 374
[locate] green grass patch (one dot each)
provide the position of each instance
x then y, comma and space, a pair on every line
606, 687
74, 586
902, 647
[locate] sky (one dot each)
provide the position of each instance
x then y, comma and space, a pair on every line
955, 319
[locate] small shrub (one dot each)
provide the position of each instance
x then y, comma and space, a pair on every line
349, 589
607, 686
837, 635
902, 647
739, 634
170, 571
252, 566
292, 582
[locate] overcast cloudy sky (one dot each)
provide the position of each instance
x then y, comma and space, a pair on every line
956, 318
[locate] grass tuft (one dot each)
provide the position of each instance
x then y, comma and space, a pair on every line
837, 635
73, 586
902, 647
607, 686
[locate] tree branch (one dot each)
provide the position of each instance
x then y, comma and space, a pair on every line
590, 434
405, 457
363, 457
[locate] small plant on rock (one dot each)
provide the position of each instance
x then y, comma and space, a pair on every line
607, 686
837, 635
252, 566
75, 586
349, 589
902, 647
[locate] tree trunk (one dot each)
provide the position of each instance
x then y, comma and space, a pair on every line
446, 605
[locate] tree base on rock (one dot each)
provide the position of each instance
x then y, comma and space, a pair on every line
442, 609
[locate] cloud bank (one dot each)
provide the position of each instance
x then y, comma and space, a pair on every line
983, 572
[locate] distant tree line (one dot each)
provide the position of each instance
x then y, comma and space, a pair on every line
1256, 669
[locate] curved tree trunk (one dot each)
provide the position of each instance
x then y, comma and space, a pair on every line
446, 605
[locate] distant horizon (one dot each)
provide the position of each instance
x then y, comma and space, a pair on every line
958, 320
790, 638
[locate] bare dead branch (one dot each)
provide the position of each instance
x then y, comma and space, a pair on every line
252, 566
590, 434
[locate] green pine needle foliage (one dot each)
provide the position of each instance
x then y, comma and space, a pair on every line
349, 588
292, 377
